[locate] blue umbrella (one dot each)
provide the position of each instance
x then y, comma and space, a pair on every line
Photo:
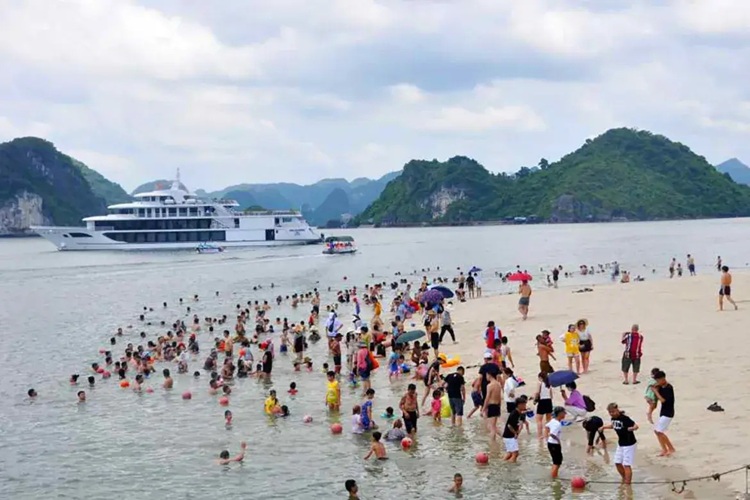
475, 269
563, 377
444, 290
431, 296
410, 336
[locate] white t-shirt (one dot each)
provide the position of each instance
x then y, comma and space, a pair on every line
555, 429
357, 424
510, 387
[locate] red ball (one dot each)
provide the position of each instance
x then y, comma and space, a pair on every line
406, 443
336, 428
578, 483
482, 458
223, 401
187, 395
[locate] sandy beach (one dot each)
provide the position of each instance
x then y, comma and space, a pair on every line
704, 353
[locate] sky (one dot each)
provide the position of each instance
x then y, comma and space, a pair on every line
236, 91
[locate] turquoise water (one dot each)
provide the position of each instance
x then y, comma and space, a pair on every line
58, 309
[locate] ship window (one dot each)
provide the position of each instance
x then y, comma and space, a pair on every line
218, 236
204, 235
150, 237
236, 223
79, 235
172, 212
182, 236
183, 212
193, 211
286, 219
172, 237
161, 237
270, 235
65, 235
276, 221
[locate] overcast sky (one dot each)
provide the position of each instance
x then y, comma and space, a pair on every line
296, 90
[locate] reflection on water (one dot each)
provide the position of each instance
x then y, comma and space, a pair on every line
59, 309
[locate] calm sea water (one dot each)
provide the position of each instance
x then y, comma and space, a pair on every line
58, 309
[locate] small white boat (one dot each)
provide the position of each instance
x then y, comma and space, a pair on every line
339, 245
209, 248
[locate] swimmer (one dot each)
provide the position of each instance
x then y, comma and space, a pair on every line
458, 482
352, 489
292, 389
32, 393
228, 419
168, 382
376, 448
81, 396
224, 455
74, 379
388, 415
92, 381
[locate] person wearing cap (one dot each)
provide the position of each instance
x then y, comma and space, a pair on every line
485, 371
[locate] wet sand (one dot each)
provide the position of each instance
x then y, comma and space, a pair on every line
703, 352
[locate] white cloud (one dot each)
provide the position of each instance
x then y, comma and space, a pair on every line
296, 90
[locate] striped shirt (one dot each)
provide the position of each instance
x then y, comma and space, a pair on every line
633, 343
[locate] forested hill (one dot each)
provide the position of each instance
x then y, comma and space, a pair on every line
622, 174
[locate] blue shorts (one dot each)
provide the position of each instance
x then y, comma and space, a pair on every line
477, 398
457, 406
364, 374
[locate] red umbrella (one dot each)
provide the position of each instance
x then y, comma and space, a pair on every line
519, 276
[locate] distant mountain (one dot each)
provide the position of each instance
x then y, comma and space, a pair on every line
39, 185
622, 174
738, 171
314, 200
156, 185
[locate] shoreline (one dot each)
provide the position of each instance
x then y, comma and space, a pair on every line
686, 306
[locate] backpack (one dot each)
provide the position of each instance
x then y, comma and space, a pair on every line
590, 405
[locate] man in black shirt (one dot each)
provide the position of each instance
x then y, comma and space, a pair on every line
455, 387
625, 429
665, 394
512, 429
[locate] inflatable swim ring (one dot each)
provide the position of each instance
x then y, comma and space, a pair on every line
451, 362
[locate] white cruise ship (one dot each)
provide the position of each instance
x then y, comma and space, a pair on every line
175, 219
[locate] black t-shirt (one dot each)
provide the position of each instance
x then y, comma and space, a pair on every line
470, 281
621, 425
667, 407
555, 274
512, 424
593, 424
453, 384
488, 368
267, 361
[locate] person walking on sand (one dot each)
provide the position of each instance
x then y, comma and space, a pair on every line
524, 289
665, 394
625, 428
718, 263
691, 264
631, 357
725, 291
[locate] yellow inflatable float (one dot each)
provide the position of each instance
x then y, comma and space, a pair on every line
447, 363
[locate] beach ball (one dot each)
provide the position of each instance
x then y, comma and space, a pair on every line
482, 458
336, 428
124, 384
578, 483
307, 419
406, 443
149, 390
223, 401
187, 395
106, 374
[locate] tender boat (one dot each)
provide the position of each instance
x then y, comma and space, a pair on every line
176, 219
337, 245
209, 248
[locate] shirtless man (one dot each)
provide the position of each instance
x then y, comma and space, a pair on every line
524, 289
725, 291
225, 459
376, 447
492, 404
544, 351
409, 406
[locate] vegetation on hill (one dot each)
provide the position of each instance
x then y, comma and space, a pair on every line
110, 191
34, 166
623, 173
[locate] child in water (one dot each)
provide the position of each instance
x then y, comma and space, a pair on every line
228, 419
437, 406
357, 420
376, 448
388, 415
292, 389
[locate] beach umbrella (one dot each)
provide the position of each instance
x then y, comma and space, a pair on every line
432, 296
563, 377
410, 336
519, 276
446, 292
475, 269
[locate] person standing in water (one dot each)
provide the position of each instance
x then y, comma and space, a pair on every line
725, 291
524, 289
665, 394
625, 428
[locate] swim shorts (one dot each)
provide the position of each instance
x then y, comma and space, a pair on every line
511, 445
524, 301
493, 411
625, 455
457, 406
555, 451
476, 398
